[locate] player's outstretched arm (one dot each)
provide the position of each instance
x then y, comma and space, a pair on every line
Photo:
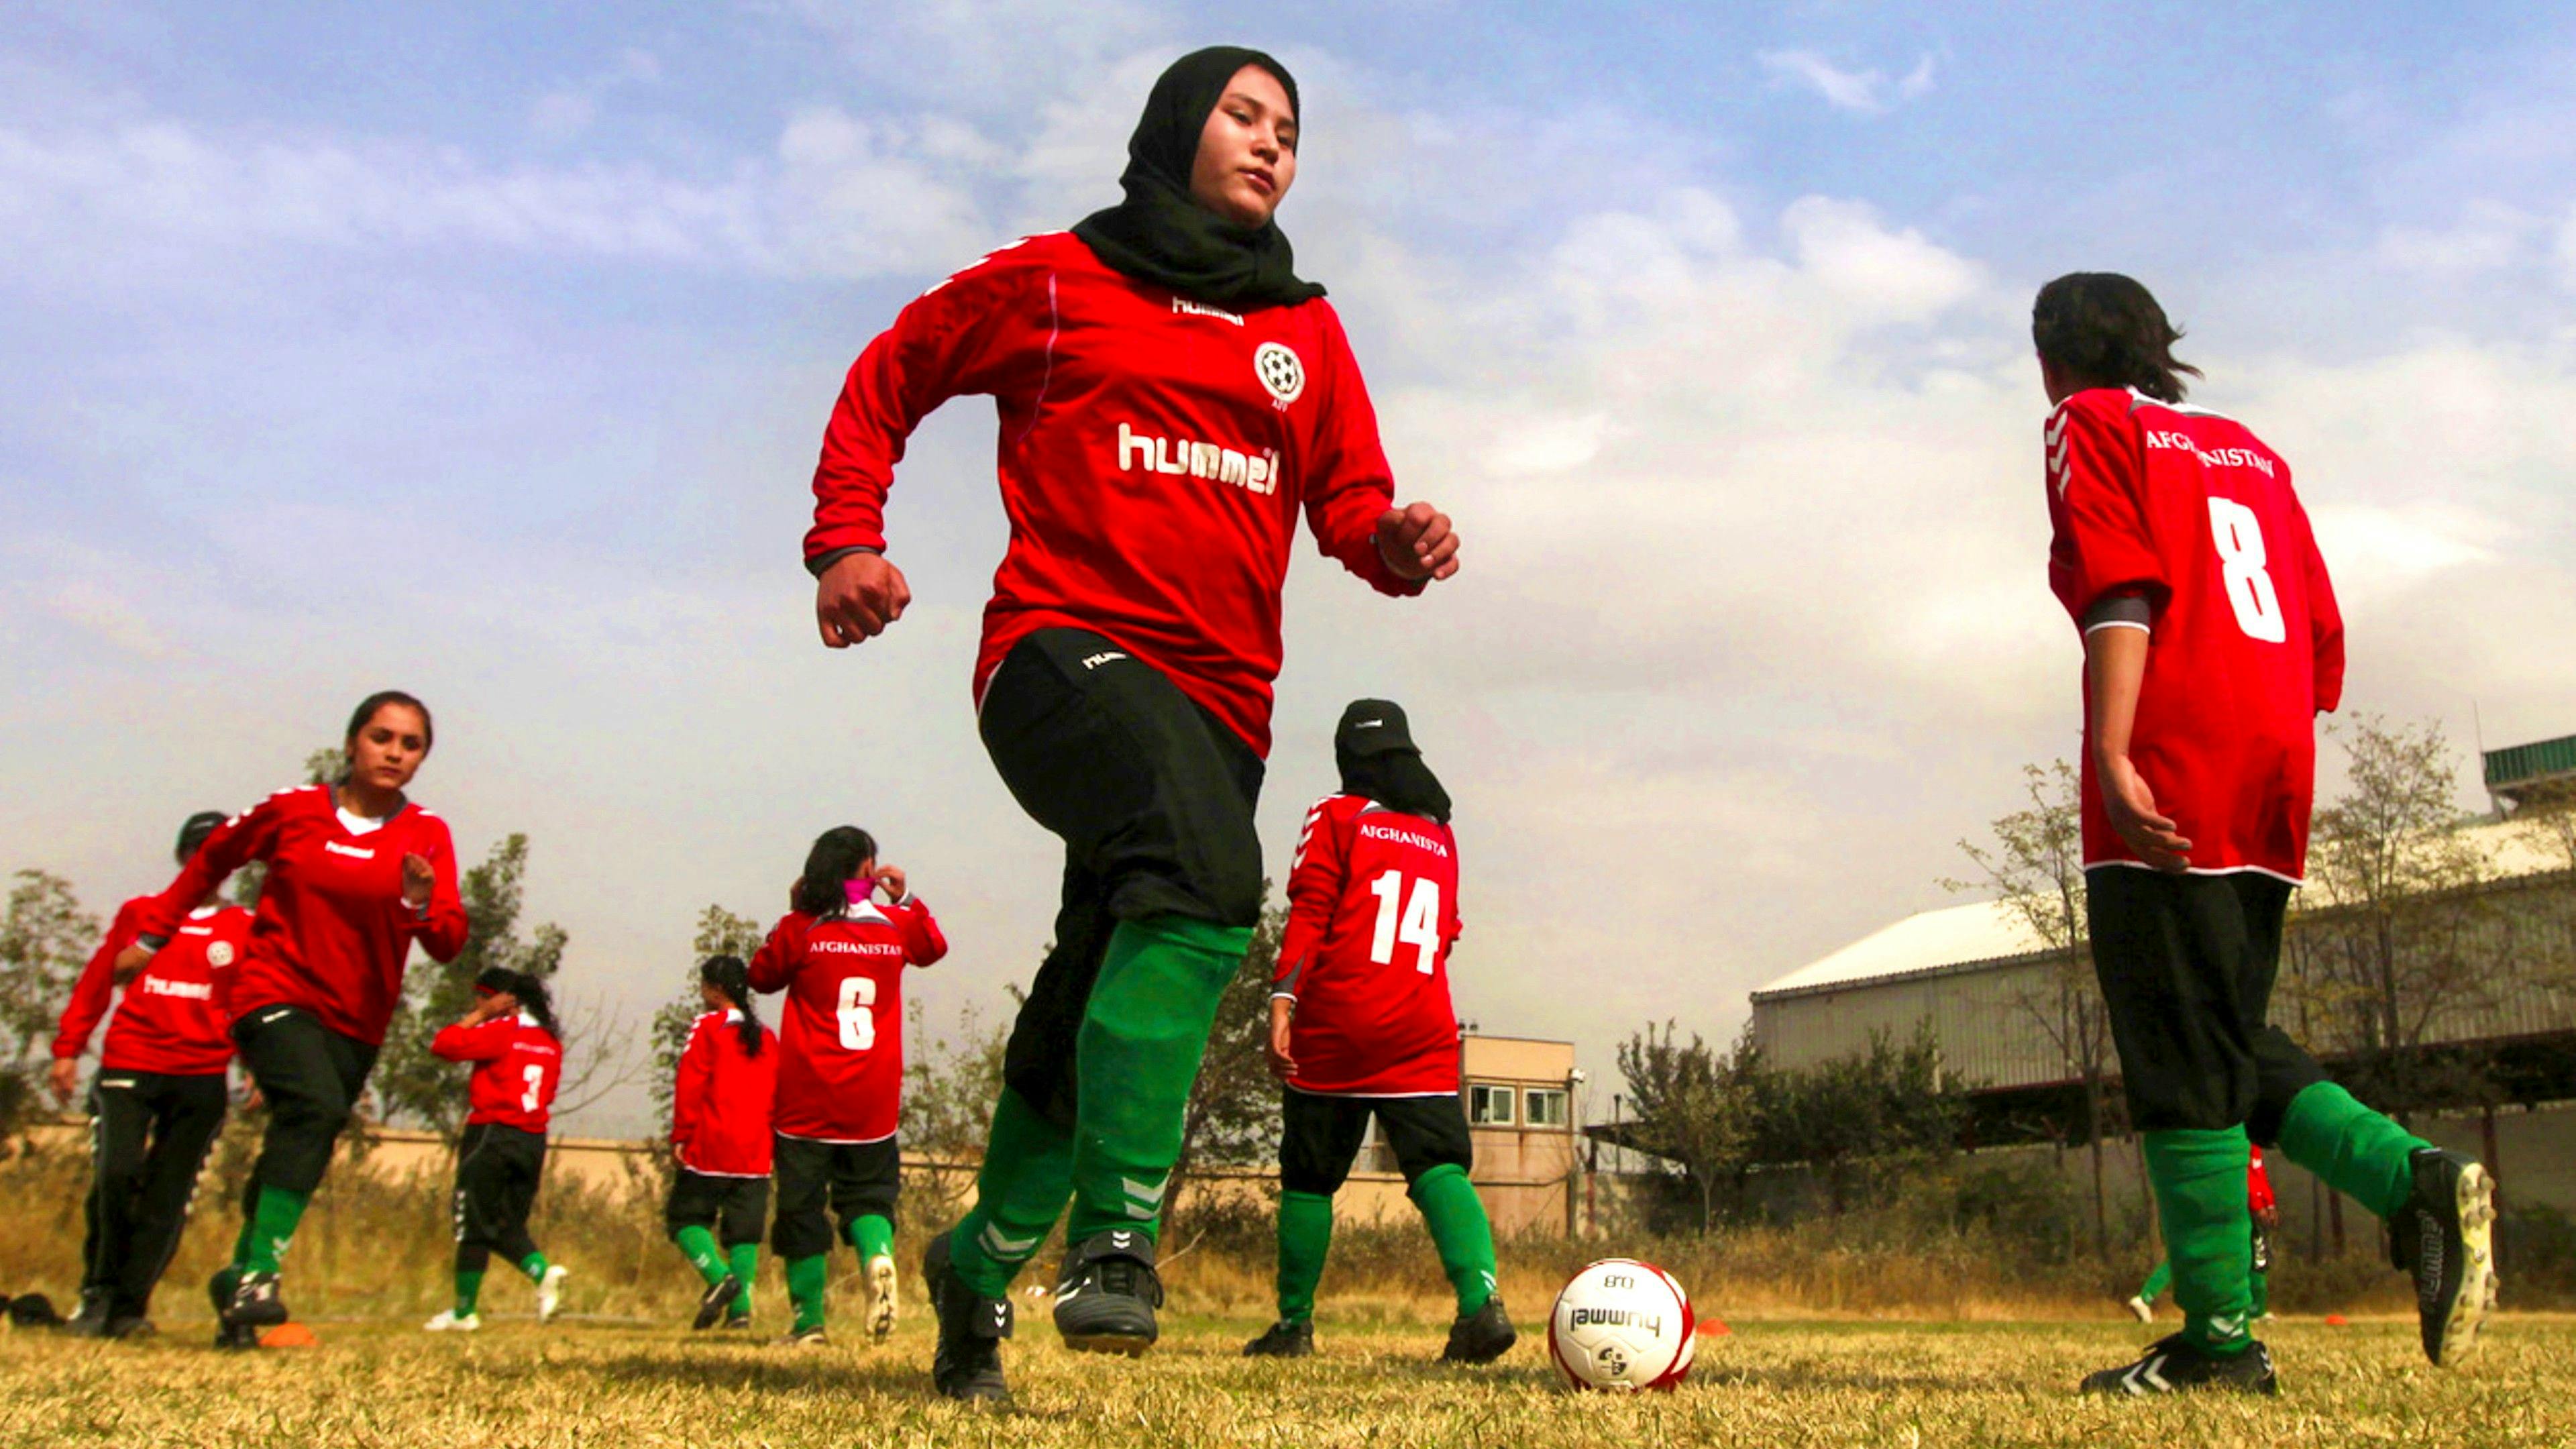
857, 597
1418, 542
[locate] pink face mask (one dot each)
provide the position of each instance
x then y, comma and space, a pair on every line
859, 888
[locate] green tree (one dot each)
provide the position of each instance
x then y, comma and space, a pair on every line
720, 933
2402, 931
2035, 867
45, 940
950, 1082
414, 1084
1883, 1108
1693, 1107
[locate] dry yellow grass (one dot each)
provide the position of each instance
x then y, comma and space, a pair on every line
592, 1384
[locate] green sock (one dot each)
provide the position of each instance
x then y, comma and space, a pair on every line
2199, 1178
806, 1278
249, 1233
1305, 1236
469, 1291
2156, 1284
745, 1259
699, 1247
2262, 1292
534, 1265
273, 1227
873, 1236
1459, 1232
2357, 1152
1136, 1056
1026, 1176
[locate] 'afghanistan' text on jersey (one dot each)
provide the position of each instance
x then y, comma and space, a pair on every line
1372, 912
2190, 512
840, 1066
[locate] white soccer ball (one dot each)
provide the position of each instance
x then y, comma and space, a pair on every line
1624, 1325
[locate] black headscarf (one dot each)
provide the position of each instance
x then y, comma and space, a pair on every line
1375, 751
1160, 234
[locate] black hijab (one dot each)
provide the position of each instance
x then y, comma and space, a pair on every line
1160, 234
1374, 749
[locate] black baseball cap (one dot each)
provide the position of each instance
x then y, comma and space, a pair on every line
1374, 727
194, 833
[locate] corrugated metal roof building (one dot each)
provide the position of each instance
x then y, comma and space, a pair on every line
1997, 999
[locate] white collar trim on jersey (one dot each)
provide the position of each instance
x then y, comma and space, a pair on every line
356, 824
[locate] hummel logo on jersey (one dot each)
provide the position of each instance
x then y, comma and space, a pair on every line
191, 990
1108, 657
354, 852
1184, 307
1184, 458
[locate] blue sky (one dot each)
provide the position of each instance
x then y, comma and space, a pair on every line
486, 349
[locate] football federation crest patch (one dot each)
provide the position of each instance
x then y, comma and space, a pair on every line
220, 954
1280, 371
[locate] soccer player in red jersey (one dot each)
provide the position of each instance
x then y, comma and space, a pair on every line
840, 954
1361, 1027
158, 1099
517, 1050
357, 875
1171, 395
721, 1110
2211, 641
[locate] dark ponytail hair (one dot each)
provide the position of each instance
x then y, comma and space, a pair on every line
2105, 330
529, 991
823, 890
732, 981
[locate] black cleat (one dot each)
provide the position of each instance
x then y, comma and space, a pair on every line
2445, 1237
90, 1319
736, 1321
812, 1335
1106, 1296
130, 1325
255, 1303
1284, 1339
1482, 1336
967, 1366
713, 1303
2171, 1366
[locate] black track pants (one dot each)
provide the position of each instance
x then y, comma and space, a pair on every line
149, 1135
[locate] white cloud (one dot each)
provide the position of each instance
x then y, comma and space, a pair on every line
2489, 236
1865, 92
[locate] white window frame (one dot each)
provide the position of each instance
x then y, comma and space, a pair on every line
1532, 1096
1483, 1097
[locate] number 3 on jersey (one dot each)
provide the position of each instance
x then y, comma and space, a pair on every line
2242, 560
534, 1079
1414, 921
857, 1012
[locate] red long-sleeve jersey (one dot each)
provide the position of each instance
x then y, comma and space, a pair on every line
332, 932
840, 1067
1154, 453
2258, 1185
517, 1066
2191, 512
724, 1099
171, 1018
1372, 912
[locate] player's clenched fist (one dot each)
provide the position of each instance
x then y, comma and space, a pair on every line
857, 597
1417, 542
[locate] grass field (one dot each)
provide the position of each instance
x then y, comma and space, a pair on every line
1787, 1383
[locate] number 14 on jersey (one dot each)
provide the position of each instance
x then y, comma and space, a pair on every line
1412, 919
